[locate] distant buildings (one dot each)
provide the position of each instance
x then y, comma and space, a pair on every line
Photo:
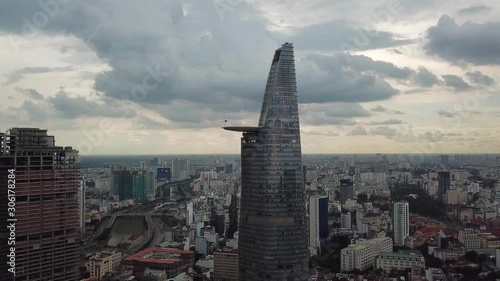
401, 222
131, 183
47, 181
273, 232
318, 219
346, 190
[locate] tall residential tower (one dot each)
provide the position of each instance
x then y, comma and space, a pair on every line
273, 232
401, 223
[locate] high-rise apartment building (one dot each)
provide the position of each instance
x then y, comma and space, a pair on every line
273, 233
318, 219
129, 183
178, 167
189, 213
47, 179
346, 190
401, 222
81, 206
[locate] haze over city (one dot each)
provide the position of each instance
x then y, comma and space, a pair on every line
161, 77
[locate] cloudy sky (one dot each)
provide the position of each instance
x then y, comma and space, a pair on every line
160, 76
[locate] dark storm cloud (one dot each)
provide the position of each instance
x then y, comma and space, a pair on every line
480, 78
425, 78
30, 93
20, 74
194, 69
327, 79
456, 82
474, 10
474, 43
338, 35
73, 107
364, 63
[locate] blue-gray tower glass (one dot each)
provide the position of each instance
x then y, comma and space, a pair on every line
272, 233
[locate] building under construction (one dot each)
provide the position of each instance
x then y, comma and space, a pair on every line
46, 185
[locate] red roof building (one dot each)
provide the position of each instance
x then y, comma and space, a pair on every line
173, 261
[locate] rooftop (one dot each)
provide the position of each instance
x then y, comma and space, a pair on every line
159, 255
242, 129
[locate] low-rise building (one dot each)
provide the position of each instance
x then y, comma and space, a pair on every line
356, 257
399, 261
99, 265
171, 261
469, 239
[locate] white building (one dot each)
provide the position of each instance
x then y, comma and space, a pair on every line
189, 213
345, 220
380, 244
399, 261
469, 239
401, 222
356, 257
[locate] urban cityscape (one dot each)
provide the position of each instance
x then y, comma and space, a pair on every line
290, 179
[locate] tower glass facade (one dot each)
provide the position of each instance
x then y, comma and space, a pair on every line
273, 233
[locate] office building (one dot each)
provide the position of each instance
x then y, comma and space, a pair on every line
401, 222
273, 232
444, 184
318, 219
380, 244
226, 265
346, 190
47, 180
233, 215
178, 167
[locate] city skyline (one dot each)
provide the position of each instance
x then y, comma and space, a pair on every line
401, 85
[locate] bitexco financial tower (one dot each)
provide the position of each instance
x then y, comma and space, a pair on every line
272, 234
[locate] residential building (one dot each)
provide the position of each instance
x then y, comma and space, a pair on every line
346, 220
401, 222
102, 263
469, 239
47, 179
179, 166
273, 232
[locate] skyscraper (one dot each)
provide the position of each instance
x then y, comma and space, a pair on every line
401, 223
272, 233
444, 184
318, 219
47, 179
346, 190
